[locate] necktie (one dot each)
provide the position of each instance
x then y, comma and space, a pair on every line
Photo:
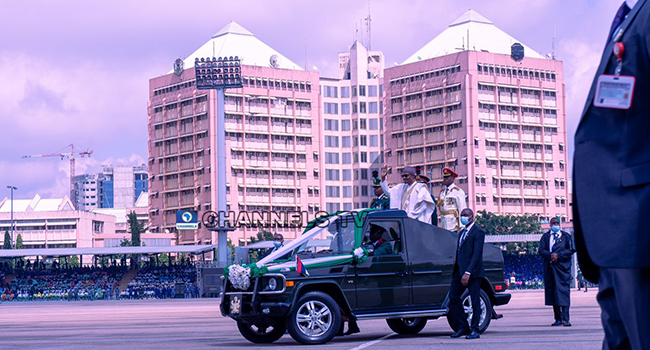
619, 18
555, 241
463, 235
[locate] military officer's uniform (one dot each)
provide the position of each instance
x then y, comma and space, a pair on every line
381, 202
451, 202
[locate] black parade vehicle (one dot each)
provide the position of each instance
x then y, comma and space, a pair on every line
311, 293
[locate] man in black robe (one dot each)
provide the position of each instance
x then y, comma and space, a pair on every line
556, 247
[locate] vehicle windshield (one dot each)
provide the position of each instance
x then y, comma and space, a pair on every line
339, 233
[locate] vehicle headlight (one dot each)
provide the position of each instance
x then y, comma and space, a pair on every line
273, 284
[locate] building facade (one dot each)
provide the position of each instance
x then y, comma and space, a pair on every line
352, 113
115, 187
86, 192
498, 122
53, 223
273, 147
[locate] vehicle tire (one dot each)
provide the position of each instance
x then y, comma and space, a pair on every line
261, 335
407, 325
315, 319
486, 312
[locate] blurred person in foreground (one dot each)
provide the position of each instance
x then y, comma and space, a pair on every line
611, 180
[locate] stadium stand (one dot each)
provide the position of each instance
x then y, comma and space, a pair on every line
527, 270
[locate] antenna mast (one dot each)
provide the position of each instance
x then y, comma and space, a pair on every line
368, 27
553, 44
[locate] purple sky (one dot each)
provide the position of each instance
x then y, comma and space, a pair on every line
77, 71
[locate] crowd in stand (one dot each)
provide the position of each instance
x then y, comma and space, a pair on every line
523, 271
52, 282
161, 282
55, 283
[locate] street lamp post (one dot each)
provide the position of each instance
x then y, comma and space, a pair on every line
12, 188
220, 74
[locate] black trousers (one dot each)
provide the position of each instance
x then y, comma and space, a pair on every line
456, 310
623, 298
561, 313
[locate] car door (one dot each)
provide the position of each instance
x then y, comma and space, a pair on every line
382, 281
431, 252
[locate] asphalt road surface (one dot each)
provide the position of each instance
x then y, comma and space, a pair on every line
197, 324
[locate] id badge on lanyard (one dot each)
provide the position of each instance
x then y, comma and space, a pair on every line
615, 91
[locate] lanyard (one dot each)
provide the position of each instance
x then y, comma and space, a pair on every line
619, 50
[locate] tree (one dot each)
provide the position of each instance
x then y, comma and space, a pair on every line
262, 236
19, 242
494, 224
7, 243
136, 229
73, 261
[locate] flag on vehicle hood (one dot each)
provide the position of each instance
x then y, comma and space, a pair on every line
300, 268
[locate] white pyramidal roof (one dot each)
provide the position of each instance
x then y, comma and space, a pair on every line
235, 40
36, 204
471, 27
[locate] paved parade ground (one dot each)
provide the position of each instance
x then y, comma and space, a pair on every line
197, 324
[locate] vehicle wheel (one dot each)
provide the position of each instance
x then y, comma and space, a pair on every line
407, 325
315, 319
261, 335
486, 312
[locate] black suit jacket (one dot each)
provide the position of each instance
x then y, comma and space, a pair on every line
611, 166
469, 258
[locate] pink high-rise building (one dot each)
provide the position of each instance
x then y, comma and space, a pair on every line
273, 149
353, 134
462, 101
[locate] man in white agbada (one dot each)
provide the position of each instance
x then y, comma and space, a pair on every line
410, 196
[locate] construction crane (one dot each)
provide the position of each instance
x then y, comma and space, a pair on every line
70, 155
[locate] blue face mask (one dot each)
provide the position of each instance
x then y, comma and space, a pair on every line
464, 220
277, 244
555, 228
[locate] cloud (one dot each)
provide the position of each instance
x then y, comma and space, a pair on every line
50, 177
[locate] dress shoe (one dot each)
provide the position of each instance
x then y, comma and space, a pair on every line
459, 334
473, 335
352, 328
567, 324
557, 323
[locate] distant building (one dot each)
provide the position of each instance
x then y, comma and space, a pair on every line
53, 223
273, 142
123, 231
463, 102
115, 187
86, 192
352, 110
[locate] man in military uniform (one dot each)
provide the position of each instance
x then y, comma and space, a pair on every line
451, 202
381, 201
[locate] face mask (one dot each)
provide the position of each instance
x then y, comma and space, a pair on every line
277, 244
464, 220
555, 228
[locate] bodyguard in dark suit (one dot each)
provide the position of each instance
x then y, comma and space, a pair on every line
611, 179
468, 271
556, 247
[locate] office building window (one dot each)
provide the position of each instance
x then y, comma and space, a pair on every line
372, 91
345, 108
331, 124
372, 107
345, 125
345, 91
